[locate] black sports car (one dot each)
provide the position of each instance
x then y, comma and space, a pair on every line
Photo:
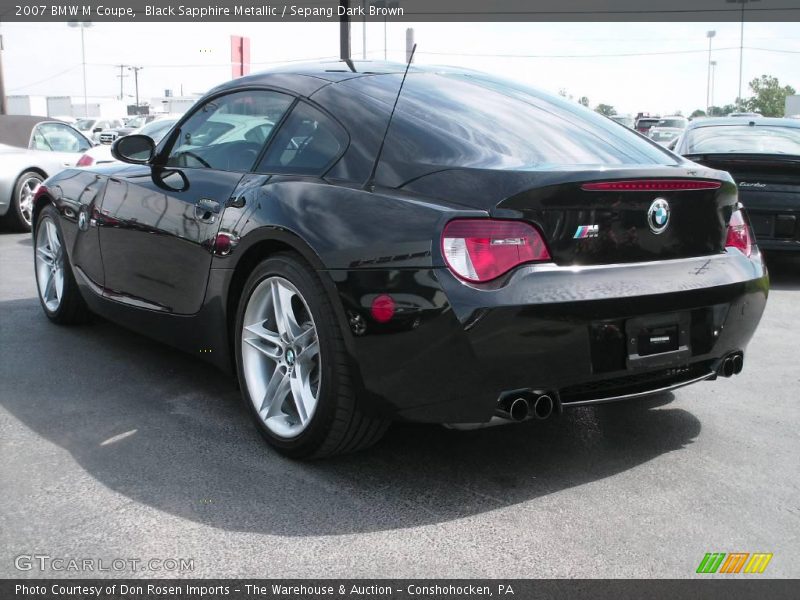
485, 253
763, 156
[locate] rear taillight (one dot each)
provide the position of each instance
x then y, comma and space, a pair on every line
85, 161
739, 235
480, 250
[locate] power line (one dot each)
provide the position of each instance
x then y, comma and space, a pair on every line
46, 79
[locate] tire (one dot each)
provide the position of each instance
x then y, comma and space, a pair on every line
62, 303
277, 362
18, 217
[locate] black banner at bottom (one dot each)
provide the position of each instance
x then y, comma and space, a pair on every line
384, 589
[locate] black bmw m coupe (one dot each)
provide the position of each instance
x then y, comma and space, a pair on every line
360, 245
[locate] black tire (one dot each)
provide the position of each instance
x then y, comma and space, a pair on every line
72, 309
15, 219
337, 426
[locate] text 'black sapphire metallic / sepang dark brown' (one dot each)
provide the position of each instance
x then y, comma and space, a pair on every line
513, 255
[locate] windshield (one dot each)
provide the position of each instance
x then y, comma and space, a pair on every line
135, 122
85, 124
678, 123
663, 136
744, 139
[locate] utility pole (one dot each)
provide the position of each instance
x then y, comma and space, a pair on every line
3, 107
344, 30
741, 44
121, 77
136, 84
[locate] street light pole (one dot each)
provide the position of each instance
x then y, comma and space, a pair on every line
710, 35
713, 71
83, 25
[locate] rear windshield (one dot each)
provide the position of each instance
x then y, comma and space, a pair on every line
474, 120
671, 123
746, 139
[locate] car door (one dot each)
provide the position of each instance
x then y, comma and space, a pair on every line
63, 144
158, 221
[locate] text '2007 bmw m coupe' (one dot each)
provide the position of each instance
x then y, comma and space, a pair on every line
466, 251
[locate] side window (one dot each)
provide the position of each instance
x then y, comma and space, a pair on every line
307, 143
228, 133
56, 137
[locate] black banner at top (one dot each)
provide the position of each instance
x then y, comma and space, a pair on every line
400, 10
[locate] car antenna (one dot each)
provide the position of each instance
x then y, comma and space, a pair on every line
370, 184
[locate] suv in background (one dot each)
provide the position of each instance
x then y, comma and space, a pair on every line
645, 122
92, 127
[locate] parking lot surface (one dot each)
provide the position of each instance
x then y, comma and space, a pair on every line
114, 446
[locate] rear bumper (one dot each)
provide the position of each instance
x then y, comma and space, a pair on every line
453, 348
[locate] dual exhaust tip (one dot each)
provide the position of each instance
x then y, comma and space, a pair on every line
519, 407
731, 365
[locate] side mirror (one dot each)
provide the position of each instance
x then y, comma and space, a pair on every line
135, 149
97, 130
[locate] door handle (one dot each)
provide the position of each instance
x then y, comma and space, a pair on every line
206, 209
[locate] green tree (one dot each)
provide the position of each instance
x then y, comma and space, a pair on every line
585, 101
721, 111
697, 113
605, 109
769, 98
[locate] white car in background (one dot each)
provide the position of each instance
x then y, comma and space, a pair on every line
155, 129
667, 129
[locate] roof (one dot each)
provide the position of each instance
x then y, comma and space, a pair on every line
15, 130
305, 78
754, 121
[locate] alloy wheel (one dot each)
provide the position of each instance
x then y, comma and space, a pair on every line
280, 356
49, 264
26, 193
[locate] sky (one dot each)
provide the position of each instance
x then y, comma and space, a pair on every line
658, 68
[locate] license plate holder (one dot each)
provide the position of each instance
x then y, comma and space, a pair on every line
658, 340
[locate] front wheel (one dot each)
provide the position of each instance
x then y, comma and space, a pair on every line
292, 364
58, 293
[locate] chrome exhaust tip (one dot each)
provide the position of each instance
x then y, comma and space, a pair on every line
543, 407
726, 370
738, 363
514, 409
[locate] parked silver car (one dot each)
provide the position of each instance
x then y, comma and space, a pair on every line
32, 149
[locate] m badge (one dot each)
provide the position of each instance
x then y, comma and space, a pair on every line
586, 231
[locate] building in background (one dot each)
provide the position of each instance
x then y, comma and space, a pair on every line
64, 106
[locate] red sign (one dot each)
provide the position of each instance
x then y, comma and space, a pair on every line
240, 56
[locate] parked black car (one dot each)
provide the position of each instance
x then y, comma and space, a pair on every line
510, 254
763, 156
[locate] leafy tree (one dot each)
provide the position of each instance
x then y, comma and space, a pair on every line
605, 109
585, 101
721, 111
697, 113
769, 98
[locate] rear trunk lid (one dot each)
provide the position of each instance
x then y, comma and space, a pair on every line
654, 218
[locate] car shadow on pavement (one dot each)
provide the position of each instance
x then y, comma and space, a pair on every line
169, 432
784, 271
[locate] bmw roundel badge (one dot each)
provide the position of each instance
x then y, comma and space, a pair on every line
658, 215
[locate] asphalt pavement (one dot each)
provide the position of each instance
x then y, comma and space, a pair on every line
113, 446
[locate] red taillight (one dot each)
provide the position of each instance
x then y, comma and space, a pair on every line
480, 250
651, 185
85, 161
739, 235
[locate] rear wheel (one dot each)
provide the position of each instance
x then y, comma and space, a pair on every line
58, 292
20, 212
292, 364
